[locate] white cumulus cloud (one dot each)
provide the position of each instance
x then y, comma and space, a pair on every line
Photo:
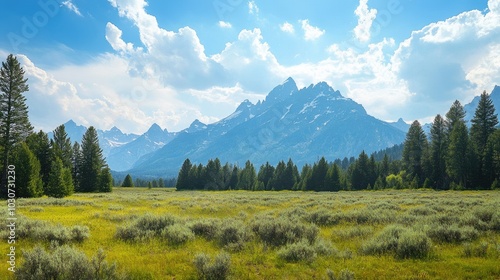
224, 24
311, 33
71, 6
287, 27
365, 20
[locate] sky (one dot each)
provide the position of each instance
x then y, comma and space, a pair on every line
132, 63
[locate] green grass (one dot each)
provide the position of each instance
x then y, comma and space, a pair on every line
159, 233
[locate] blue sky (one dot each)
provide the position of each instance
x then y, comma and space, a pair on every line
131, 63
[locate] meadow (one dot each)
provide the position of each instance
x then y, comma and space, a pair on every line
164, 234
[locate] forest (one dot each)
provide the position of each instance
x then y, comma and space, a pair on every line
453, 156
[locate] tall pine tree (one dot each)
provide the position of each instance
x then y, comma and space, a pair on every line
39, 144
439, 148
455, 115
15, 126
415, 148
457, 155
184, 179
28, 180
92, 162
61, 146
483, 125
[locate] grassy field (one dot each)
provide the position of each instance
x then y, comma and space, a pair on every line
158, 233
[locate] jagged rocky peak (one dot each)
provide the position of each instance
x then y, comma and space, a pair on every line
155, 128
245, 105
281, 92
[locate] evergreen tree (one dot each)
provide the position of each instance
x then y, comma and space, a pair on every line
360, 176
305, 178
291, 175
492, 157
266, 173
438, 152
15, 126
105, 180
214, 176
247, 177
332, 181
318, 175
483, 125
39, 144
161, 183
76, 162
128, 182
455, 115
278, 180
233, 182
92, 162
155, 184
60, 182
457, 156
183, 179
414, 151
61, 146
28, 180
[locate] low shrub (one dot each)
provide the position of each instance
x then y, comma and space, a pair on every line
324, 217
80, 233
325, 248
495, 222
452, 233
145, 227
219, 269
232, 235
205, 227
177, 234
413, 245
282, 231
65, 262
344, 274
384, 242
296, 252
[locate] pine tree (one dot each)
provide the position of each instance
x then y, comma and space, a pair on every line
39, 144
457, 155
483, 125
332, 181
128, 182
360, 176
161, 183
92, 162
277, 182
60, 182
61, 146
455, 115
183, 179
233, 182
105, 180
438, 152
414, 151
318, 176
28, 180
265, 175
247, 177
76, 162
492, 157
15, 126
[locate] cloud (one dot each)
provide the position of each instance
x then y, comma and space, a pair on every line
311, 33
365, 20
452, 59
72, 7
224, 24
287, 27
253, 9
113, 36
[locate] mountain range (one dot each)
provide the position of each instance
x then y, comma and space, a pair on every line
302, 124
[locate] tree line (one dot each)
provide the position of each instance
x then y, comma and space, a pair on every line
452, 156
54, 167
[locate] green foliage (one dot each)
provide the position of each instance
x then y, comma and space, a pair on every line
232, 235
451, 233
394, 181
128, 182
60, 182
219, 269
39, 144
344, 274
28, 180
15, 126
105, 181
61, 146
145, 227
296, 252
415, 149
92, 162
247, 177
205, 227
65, 263
457, 155
282, 231
177, 234
413, 245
